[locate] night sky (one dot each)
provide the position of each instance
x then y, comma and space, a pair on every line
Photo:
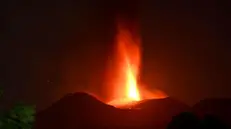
50, 48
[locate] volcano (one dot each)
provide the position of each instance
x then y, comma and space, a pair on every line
130, 105
81, 110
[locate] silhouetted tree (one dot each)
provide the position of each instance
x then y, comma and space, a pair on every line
21, 116
212, 122
185, 120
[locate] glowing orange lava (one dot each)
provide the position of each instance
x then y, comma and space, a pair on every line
128, 59
124, 73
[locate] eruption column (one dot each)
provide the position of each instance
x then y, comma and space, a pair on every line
127, 57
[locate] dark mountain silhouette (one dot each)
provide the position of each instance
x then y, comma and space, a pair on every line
185, 120
213, 122
161, 111
189, 120
220, 108
160, 105
81, 110
74, 110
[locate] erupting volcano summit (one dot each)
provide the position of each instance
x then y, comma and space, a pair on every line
127, 61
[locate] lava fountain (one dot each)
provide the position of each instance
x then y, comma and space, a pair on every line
126, 64
127, 69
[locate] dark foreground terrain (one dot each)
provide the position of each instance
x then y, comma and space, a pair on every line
80, 110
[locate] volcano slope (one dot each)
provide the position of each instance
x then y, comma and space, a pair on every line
81, 110
217, 107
